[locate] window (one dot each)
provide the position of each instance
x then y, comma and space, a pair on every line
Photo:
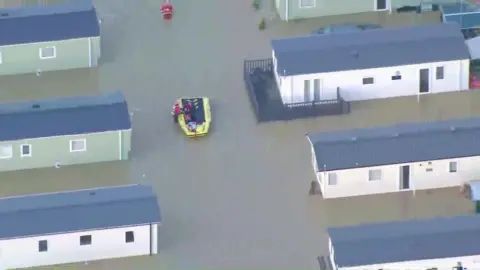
26, 150
6, 151
48, 52
129, 237
368, 80
396, 77
332, 179
85, 240
374, 175
452, 166
78, 145
439, 73
42, 246
307, 3
380, 5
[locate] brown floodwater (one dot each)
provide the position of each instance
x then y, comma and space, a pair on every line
237, 198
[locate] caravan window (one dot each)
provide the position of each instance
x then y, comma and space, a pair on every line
332, 179
48, 52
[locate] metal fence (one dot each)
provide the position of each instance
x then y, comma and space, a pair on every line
261, 85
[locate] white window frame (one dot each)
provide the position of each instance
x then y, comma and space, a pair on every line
76, 150
373, 172
332, 179
450, 166
1, 57
40, 50
29, 150
11, 151
301, 6
443, 73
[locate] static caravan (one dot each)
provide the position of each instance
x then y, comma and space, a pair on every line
21, 3
401, 158
373, 64
48, 38
64, 131
302, 9
78, 226
440, 244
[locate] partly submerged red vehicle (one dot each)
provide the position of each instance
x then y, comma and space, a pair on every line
167, 10
474, 81
475, 74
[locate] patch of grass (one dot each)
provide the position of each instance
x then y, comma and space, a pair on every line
261, 25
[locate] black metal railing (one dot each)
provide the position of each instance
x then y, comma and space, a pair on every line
267, 103
253, 68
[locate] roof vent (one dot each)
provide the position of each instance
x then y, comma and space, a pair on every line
92, 193
396, 134
35, 106
452, 128
355, 54
4, 14
354, 138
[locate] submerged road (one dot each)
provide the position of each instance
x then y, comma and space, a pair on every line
237, 198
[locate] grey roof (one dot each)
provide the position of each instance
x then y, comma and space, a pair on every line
374, 48
76, 19
404, 143
406, 241
64, 116
81, 210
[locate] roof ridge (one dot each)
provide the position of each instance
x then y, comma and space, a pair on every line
26, 210
62, 103
68, 191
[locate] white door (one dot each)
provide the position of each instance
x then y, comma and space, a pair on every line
307, 91
317, 88
312, 90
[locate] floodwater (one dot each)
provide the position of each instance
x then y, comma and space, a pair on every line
49, 84
237, 198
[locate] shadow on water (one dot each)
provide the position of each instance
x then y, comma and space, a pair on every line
65, 178
49, 84
396, 206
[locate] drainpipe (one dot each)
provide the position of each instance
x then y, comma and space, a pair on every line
151, 240
89, 52
287, 5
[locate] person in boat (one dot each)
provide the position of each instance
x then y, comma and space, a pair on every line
177, 110
188, 107
188, 118
192, 126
